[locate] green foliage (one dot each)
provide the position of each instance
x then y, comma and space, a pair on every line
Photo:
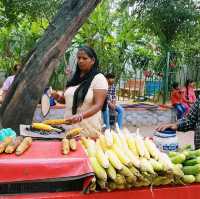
16, 42
127, 35
13, 12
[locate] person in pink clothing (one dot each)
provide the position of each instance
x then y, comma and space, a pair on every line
8, 82
189, 93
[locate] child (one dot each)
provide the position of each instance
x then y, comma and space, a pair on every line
178, 100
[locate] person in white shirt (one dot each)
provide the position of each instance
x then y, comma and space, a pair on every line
8, 82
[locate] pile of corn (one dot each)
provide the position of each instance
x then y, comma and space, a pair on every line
124, 160
189, 162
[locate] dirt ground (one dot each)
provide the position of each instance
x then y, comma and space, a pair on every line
183, 137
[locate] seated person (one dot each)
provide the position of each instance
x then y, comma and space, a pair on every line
189, 93
111, 104
8, 82
178, 100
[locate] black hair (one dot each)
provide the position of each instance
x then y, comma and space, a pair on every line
110, 76
188, 81
85, 81
175, 85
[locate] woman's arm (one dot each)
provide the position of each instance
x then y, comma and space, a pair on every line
98, 101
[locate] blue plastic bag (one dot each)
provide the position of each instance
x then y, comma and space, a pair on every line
8, 132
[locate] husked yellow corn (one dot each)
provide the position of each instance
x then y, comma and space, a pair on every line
132, 145
125, 171
121, 186
116, 139
65, 146
146, 166
134, 171
73, 132
91, 148
131, 179
108, 137
111, 172
120, 179
43, 127
101, 157
103, 143
151, 147
99, 171
113, 159
55, 122
121, 155
132, 157
140, 146
112, 185
73, 144
102, 184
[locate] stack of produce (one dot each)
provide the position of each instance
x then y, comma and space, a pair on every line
189, 162
69, 142
124, 160
17, 145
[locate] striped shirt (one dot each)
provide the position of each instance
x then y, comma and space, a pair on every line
192, 122
111, 95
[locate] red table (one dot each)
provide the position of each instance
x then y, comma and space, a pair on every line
177, 192
43, 160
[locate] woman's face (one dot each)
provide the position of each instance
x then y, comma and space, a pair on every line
191, 84
85, 63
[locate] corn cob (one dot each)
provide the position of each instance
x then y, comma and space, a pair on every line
131, 144
13, 145
134, 171
91, 148
121, 186
116, 139
113, 159
99, 171
140, 146
83, 141
102, 184
65, 146
165, 161
55, 121
112, 185
145, 165
72, 144
131, 179
43, 127
157, 166
24, 145
121, 155
73, 132
108, 137
133, 158
125, 171
103, 143
101, 157
120, 179
111, 172
5, 143
152, 149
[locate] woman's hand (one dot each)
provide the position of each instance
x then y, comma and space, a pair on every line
173, 126
75, 118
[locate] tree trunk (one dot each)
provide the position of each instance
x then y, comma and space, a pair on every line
25, 93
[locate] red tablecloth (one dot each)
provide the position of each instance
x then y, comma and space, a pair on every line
178, 192
43, 160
